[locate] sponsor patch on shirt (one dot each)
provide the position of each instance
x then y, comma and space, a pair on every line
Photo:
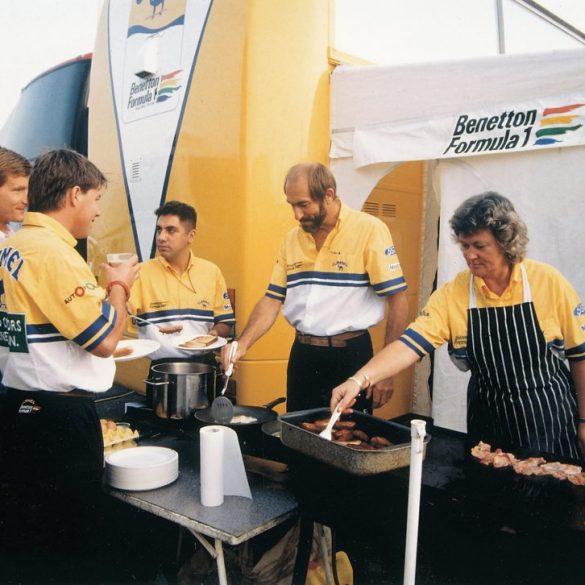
29, 406
80, 291
579, 310
391, 251
393, 266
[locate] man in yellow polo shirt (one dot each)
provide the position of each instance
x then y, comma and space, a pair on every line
179, 289
333, 277
58, 330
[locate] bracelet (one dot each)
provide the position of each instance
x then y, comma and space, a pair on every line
581, 420
360, 384
119, 283
353, 379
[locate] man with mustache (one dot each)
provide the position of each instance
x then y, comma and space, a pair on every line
334, 275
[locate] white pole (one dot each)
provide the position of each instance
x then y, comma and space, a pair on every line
417, 433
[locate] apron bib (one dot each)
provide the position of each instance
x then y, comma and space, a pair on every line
520, 396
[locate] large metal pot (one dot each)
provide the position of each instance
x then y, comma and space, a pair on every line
178, 389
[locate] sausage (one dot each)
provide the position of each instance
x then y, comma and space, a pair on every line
345, 424
362, 447
321, 423
380, 442
308, 426
361, 436
123, 351
343, 435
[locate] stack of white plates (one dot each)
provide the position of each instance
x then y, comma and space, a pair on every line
142, 468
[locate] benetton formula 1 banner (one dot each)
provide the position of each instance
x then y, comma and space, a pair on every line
529, 126
153, 48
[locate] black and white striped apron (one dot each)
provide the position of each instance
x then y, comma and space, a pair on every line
521, 396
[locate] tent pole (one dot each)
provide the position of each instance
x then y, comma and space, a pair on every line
417, 433
500, 28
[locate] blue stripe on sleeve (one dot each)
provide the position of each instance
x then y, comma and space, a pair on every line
576, 353
390, 286
419, 339
412, 346
103, 325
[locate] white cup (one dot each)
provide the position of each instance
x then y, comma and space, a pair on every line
117, 259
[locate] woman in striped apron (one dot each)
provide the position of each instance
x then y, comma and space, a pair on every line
522, 397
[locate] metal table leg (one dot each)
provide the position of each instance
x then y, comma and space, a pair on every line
303, 551
216, 552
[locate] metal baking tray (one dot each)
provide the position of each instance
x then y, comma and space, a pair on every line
351, 460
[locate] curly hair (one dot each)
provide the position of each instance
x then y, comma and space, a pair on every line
494, 212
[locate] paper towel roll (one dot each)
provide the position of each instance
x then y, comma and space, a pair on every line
222, 466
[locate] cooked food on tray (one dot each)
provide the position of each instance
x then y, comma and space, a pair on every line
243, 419
346, 433
200, 341
531, 466
123, 351
114, 433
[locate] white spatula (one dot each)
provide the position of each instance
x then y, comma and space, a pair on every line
326, 432
222, 408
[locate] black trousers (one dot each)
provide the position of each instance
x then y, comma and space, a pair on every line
51, 466
56, 523
314, 371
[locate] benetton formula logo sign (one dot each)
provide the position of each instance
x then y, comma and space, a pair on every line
517, 129
154, 90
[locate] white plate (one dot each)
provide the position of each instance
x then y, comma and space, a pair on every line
142, 468
141, 348
221, 341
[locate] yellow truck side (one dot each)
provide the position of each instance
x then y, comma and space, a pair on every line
210, 102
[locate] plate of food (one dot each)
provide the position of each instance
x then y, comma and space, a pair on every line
132, 349
199, 343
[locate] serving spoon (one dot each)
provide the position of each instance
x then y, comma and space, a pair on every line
165, 329
222, 408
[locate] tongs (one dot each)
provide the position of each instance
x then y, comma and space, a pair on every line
326, 432
222, 408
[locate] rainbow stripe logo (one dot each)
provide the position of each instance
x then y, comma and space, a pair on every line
169, 84
557, 122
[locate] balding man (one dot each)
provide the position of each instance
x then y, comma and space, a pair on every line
334, 274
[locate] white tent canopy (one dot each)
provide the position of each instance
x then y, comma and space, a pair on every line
513, 124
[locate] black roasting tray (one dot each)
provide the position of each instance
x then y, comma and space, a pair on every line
351, 460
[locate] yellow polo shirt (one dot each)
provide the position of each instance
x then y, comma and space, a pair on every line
560, 312
342, 286
52, 312
197, 299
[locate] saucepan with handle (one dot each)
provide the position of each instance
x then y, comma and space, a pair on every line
249, 430
259, 414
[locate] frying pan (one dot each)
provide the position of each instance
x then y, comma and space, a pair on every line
262, 414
